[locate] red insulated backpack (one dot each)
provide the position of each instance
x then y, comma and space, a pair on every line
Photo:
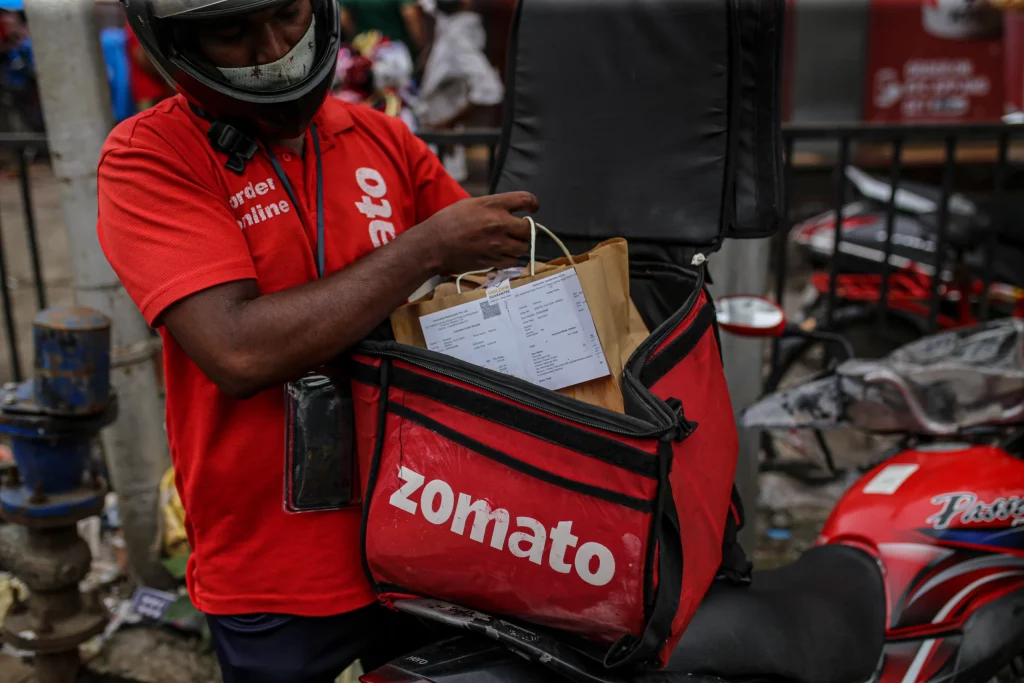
657, 122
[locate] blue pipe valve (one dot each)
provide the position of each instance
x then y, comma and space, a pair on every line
52, 418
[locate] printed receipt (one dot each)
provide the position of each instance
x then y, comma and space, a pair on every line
542, 332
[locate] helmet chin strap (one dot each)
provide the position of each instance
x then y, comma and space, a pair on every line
228, 139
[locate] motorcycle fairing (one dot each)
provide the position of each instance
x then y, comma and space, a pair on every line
969, 230
949, 530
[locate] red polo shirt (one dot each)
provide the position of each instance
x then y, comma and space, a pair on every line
173, 221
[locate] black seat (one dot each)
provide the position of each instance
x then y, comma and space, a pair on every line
818, 620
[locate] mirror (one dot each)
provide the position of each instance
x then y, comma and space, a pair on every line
750, 316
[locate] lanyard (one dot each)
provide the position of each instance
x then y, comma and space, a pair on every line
318, 254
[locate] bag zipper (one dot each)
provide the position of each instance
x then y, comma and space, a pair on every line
440, 368
643, 353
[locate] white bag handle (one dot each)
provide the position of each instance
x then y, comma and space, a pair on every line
533, 253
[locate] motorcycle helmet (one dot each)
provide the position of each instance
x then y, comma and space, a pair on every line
163, 28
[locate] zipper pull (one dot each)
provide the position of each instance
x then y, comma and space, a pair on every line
684, 427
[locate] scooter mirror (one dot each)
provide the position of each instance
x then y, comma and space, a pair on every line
750, 316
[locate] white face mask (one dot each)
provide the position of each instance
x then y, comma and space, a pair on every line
288, 70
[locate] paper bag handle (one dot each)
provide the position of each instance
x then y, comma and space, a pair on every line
533, 253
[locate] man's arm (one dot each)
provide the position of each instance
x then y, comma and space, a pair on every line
412, 15
247, 343
348, 25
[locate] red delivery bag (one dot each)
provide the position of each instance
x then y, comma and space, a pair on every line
486, 493
496, 494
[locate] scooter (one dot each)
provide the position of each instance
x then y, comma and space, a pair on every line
918, 576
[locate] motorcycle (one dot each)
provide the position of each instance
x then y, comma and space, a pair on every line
917, 576
911, 248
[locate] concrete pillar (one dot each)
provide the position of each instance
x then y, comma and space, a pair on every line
77, 109
741, 267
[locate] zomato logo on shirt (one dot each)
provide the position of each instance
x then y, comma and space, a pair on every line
593, 562
257, 209
371, 182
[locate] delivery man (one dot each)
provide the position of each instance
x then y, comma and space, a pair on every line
217, 208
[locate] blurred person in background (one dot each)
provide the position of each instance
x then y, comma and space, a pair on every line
401, 21
459, 83
148, 86
17, 72
375, 72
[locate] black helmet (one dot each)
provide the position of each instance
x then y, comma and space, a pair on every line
159, 26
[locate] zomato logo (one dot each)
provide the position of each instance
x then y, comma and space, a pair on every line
436, 502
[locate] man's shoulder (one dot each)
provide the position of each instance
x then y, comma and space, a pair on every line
168, 125
366, 119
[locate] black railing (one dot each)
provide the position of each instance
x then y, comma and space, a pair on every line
990, 168
22, 148
833, 149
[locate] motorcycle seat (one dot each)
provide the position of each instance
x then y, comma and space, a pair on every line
820, 619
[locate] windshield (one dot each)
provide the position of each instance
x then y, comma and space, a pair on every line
941, 385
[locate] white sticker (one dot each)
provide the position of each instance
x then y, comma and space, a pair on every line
499, 291
889, 480
542, 332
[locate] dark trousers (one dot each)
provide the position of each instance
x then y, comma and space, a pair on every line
277, 648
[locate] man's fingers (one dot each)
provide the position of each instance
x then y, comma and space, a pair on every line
518, 229
514, 250
515, 201
506, 262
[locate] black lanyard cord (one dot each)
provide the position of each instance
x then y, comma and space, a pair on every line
319, 254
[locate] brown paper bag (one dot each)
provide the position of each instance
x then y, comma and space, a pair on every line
604, 274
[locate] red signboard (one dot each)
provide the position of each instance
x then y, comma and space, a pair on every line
937, 60
1013, 42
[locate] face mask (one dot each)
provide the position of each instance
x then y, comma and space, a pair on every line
288, 70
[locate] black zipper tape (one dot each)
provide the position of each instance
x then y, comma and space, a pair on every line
378, 449
632, 502
661, 422
635, 364
512, 416
680, 347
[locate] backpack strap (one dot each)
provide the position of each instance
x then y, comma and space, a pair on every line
735, 568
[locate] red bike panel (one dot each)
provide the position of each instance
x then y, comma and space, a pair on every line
947, 523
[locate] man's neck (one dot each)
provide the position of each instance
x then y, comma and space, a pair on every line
294, 144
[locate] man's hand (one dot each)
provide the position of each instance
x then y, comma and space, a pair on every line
478, 233
412, 15
247, 342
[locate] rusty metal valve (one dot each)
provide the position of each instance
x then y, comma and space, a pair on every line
51, 420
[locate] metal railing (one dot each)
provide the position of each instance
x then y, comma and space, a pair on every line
945, 290
846, 143
23, 147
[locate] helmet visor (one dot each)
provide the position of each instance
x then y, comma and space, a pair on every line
206, 9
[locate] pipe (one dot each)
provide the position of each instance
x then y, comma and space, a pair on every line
77, 109
741, 267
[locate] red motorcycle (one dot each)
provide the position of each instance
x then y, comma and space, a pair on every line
944, 517
910, 243
917, 577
